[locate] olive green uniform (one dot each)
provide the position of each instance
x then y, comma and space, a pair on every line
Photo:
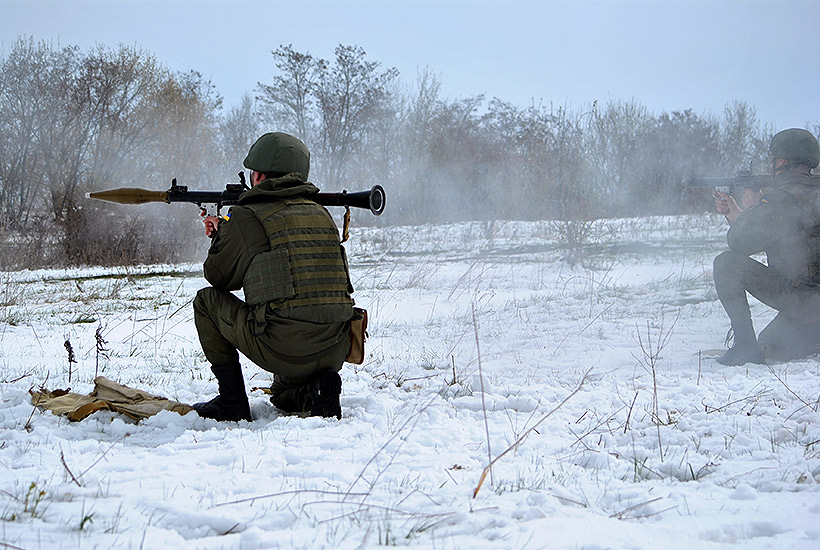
786, 226
283, 250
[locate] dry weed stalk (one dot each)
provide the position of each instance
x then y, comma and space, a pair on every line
651, 354
67, 469
603, 421
411, 421
101, 350
622, 513
752, 398
483, 404
251, 500
71, 357
629, 414
521, 439
791, 391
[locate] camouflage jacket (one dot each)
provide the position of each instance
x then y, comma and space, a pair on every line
786, 226
242, 237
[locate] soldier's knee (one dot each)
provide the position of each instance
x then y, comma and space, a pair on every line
200, 298
785, 338
725, 263
723, 260
204, 297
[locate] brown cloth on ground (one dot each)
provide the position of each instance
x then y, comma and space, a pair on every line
107, 395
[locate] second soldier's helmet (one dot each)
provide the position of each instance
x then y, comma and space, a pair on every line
278, 153
797, 146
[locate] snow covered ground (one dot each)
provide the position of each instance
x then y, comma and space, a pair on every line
659, 448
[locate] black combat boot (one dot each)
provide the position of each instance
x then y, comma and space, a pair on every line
232, 401
745, 350
319, 397
323, 395
740, 355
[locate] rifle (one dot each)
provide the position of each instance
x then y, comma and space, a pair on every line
372, 200
743, 179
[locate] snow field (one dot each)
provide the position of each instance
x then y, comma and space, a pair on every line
660, 447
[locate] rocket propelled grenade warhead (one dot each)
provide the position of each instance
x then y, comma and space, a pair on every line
129, 195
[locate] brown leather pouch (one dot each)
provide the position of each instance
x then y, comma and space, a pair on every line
358, 335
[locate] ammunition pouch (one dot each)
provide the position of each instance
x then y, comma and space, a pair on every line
268, 277
358, 335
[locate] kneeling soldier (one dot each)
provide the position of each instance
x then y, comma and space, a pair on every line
784, 222
283, 250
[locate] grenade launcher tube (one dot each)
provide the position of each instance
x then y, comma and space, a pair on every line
373, 200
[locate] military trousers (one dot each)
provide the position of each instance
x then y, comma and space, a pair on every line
794, 332
227, 326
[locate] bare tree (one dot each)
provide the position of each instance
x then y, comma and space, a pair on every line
615, 133
71, 121
743, 143
289, 104
348, 93
237, 131
32, 79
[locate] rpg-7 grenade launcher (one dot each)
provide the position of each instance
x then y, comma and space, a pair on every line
372, 200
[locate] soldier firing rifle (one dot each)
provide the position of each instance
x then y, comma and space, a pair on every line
778, 215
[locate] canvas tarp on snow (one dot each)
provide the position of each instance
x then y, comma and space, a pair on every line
107, 395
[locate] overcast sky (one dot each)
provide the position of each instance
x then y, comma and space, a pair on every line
666, 55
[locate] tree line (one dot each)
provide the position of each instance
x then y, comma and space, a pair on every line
72, 121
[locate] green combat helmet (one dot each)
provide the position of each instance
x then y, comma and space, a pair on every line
797, 146
278, 153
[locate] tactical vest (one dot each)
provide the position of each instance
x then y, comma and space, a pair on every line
306, 264
806, 190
